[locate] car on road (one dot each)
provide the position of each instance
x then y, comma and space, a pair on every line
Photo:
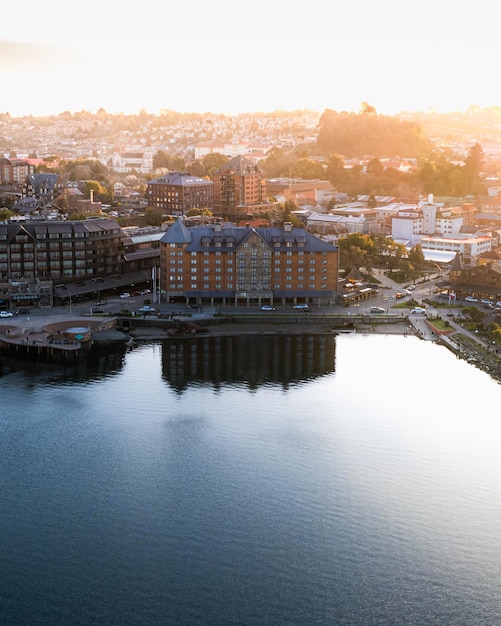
302, 307
102, 302
411, 287
97, 310
125, 295
144, 292
377, 309
401, 294
23, 312
470, 299
267, 307
147, 309
418, 309
6, 314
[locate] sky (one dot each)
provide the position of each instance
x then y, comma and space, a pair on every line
242, 57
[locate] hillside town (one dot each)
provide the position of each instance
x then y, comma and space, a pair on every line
192, 200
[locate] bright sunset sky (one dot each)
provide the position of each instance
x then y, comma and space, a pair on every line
236, 56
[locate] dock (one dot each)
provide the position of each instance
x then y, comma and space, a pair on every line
51, 337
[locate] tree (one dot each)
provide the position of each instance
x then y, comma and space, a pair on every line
308, 169
213, 161
473, 167
154, 216
416, 257
367, 109
97, 188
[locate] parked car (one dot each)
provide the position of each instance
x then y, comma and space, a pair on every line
267, 307
418, 309
5, 314
470, 299
302, 307
125, 295
144, 292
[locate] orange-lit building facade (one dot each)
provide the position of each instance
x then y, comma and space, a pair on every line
226, 264
240, 189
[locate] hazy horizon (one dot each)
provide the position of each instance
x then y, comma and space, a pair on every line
196, 57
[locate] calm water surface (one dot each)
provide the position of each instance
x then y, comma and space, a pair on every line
353, 480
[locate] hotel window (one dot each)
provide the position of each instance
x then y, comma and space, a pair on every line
193, 285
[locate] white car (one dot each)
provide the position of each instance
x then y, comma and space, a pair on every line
301, 307
418, 309
6, 314
147, 309
267, 307
125, 295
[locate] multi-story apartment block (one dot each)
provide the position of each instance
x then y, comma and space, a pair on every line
178, 192
226, 264
34, 255
60, 250
15, 171
240, 189
412, 222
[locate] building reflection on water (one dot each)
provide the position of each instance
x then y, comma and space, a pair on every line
253, 360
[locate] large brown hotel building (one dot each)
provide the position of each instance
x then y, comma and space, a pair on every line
226, 264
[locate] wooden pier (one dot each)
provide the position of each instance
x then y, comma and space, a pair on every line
51, 337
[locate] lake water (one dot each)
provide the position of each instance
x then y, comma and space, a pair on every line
350, 480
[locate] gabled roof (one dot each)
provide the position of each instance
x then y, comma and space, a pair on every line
229, 237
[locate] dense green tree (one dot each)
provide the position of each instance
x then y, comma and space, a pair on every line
154, 216
97, 188
308, 169
213, 161
416, 257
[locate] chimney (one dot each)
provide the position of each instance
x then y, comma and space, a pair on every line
430, 198
288, 227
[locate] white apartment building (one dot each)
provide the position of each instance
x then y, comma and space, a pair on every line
410, 223
127, 162
232, 149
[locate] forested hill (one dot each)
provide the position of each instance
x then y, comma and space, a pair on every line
352, 135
